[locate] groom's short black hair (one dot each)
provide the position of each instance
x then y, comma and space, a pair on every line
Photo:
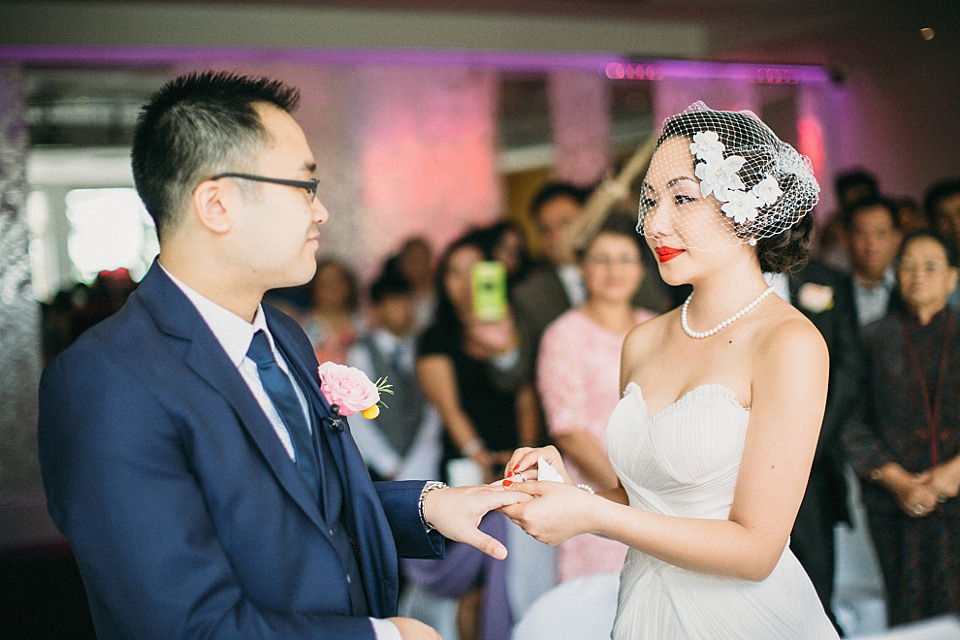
196, 126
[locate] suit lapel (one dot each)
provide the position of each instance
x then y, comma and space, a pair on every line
557, 293
362, 511
176, 316
320, 414
306, 375
795, 280
363, 514
368, 527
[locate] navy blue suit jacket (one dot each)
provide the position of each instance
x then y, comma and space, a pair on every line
185, 513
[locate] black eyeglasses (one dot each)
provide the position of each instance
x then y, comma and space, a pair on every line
309, 185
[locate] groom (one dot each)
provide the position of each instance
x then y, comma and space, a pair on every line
202, 480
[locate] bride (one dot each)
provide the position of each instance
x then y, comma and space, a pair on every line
722, 401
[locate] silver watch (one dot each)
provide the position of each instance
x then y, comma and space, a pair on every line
427, 488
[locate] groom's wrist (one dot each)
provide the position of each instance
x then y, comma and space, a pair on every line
427, 488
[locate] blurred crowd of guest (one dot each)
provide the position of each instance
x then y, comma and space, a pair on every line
882, 287
77, 308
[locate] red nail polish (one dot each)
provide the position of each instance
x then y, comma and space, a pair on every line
515, 467
507, 483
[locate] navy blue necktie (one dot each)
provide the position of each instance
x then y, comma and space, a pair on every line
278, 386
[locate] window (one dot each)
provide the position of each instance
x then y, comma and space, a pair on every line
109, 229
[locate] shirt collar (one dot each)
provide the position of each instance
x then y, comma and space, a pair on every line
572, 281
888, 282
231, 331
889, 279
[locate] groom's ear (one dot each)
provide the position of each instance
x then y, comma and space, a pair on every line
210, 205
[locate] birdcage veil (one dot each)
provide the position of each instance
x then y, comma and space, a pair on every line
758, 185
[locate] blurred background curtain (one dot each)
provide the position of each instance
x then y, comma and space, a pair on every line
673, 95
580, 125
19, 313
428, 159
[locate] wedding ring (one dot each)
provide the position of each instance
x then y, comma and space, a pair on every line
918, 509
520, 473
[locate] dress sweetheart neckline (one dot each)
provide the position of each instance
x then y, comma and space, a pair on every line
728, 393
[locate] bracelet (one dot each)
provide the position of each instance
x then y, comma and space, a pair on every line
587, 488
427, 488
472, 447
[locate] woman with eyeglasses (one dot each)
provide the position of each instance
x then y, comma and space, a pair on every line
577, 371
904, 443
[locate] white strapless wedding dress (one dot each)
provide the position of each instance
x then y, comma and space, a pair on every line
684, 461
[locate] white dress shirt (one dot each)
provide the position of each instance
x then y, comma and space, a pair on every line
572, 281
235, 334
780, 283
872, 302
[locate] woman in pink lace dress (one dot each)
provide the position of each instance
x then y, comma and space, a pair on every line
577, 376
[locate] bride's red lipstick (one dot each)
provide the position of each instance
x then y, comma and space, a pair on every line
666, 254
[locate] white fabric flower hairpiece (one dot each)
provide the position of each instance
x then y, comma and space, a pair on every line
762, 184
719, 176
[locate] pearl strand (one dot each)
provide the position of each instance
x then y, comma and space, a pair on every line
706, 334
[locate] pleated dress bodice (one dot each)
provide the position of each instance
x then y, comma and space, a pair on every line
683, 461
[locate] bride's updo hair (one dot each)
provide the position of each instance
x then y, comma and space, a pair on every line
765, 187
788, 251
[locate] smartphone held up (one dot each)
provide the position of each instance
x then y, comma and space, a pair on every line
489, 284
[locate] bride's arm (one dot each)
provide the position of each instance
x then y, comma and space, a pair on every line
789, 393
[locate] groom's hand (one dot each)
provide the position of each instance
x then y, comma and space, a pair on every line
456, 513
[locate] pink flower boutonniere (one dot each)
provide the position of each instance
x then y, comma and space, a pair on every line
351, 390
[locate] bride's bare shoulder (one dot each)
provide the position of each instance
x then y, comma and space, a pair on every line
648, 334
791, 335
654, 325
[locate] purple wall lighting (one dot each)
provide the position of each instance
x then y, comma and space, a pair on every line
613, 66
692, 69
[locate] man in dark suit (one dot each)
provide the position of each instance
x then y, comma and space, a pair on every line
825, 295
206, 486
557, 285
873, 233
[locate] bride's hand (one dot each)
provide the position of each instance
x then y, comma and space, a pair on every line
559, 512
525, 459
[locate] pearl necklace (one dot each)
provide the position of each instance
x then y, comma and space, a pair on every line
706, 334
